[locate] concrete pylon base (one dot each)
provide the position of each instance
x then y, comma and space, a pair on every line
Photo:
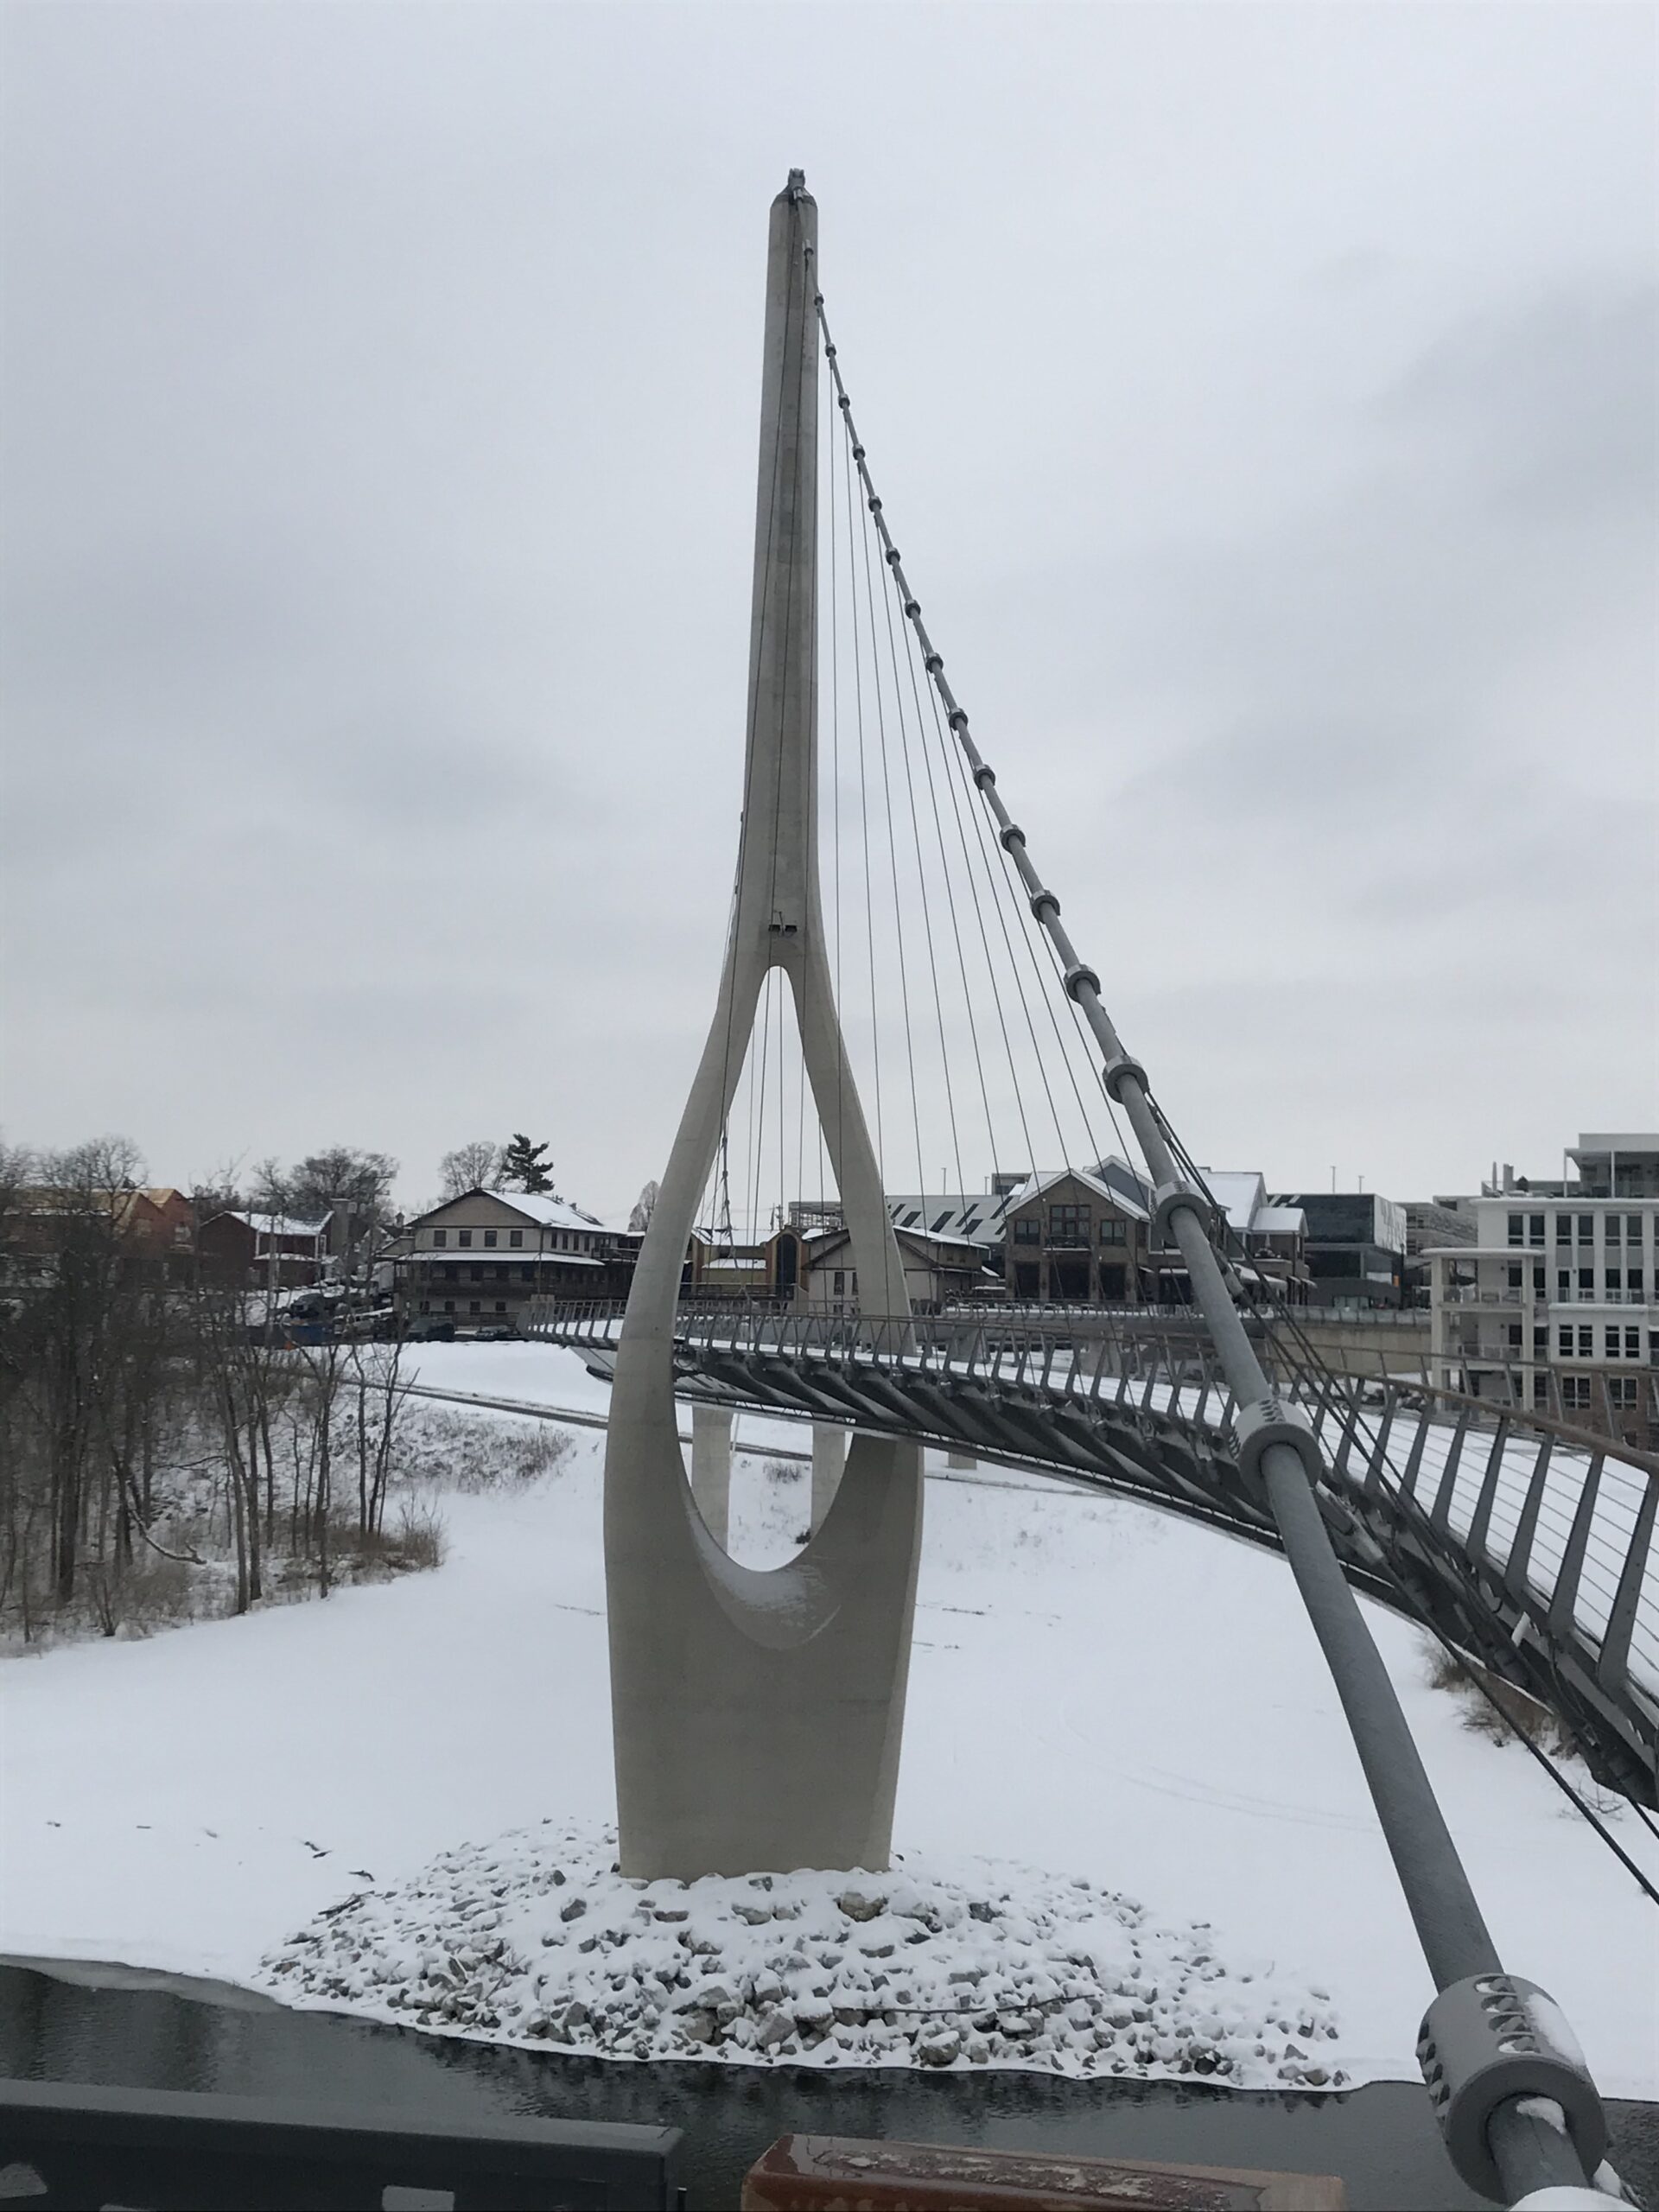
758, 1716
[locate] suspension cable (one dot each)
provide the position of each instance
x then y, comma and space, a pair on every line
1276, 1444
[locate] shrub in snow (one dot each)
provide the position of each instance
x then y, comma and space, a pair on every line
474, 1451
537, 1940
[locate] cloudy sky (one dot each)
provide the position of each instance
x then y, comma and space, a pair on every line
1264, 399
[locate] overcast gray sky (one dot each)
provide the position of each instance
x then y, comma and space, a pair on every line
1264, 398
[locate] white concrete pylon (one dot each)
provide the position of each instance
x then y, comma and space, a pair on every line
757, 1717
711, 1469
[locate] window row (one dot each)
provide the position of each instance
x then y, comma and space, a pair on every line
1630, 1282
564, 1240
476, 1305
1581, 1343
1070, 1225
1622, 1391
1615, 1229
450, 1271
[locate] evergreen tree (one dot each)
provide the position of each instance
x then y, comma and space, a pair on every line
524, 1167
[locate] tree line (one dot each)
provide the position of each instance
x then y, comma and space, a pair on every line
157, 1452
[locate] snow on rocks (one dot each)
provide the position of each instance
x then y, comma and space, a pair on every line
537, 1939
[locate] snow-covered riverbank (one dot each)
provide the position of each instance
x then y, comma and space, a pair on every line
1098, 1692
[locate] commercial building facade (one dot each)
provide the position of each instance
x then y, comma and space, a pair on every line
1553, 1308
473, 1263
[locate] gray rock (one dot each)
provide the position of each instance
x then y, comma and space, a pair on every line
753, 1915
980, 1910
862, 1904
574, 1909
696, 2027
942, 2048
777, 2027
668, 1912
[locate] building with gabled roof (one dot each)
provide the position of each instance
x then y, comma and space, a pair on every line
473, 1263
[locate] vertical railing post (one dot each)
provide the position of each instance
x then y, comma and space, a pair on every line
1520, 1559
1564, 1599
1613, 1669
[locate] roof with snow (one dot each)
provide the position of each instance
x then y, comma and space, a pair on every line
975, 1219
538, 1206
1243, 1197
275, 1224
1109, 1179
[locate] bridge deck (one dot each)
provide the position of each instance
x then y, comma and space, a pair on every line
1531, 1546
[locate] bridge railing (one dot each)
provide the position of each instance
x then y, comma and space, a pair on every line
1561, 1518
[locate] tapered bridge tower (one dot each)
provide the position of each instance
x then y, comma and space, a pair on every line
758, 1716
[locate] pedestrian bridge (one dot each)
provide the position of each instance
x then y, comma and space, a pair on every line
1528, 1543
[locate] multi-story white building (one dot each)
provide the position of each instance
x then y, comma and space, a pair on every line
1554, 1305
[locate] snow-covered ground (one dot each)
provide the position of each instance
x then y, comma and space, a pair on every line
1098, 1690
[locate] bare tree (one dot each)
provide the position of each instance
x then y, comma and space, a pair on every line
644, 1207
475, 1166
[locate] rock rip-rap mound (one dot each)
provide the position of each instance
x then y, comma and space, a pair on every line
536, 1939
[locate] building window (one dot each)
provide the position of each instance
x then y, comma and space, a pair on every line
1563, 1229
1069, 1224
426, 1306
1564, 1283
1633, 1283
463, 1236
1587, 1281
838, 1283
1540, 1390
491, 1238
1610, 1342
1538, 1280
1515, 1278
449, 1274
1632, 1344
1575, 1393
1025, 1230
1517, 1228
440, 1237
1541, 1341
1111, 1282
500, 1305
1586, 1229
526, 1274
1514, 1335
476, 1272
1611, 1224
476, 1306
1633, 1228
1535, 1229
1025, 1279
1622, 1391
1564, 1343
1586, 1343
516, 1237
1111, 1232
448, 1304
